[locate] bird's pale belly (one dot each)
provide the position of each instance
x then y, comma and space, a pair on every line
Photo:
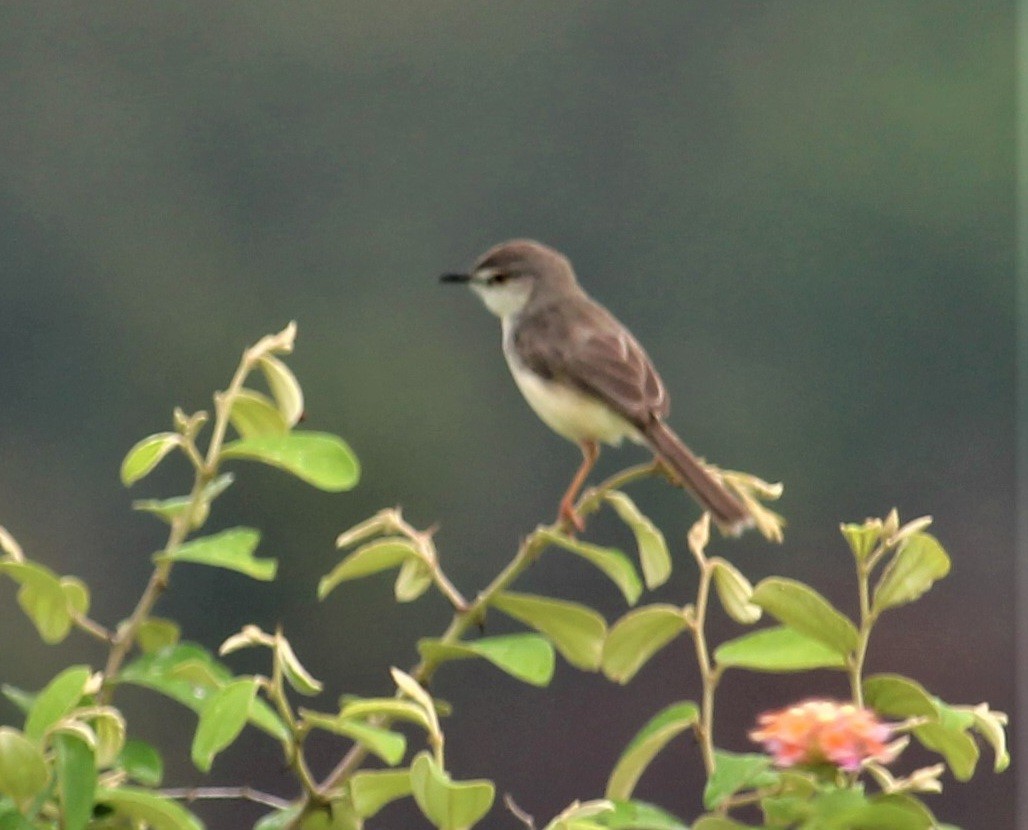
570, 413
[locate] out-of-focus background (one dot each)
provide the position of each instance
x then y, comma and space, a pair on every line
805, 211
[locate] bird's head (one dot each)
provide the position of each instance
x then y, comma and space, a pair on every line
508, 275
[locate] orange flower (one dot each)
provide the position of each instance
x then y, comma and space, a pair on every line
825, 731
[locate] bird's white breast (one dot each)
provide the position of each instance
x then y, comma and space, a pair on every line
567, 411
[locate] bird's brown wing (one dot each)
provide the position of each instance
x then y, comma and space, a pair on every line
588, 348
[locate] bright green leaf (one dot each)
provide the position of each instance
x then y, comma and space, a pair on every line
253, 415
57, 699
735, 592
956, 746
388, 707
109, 727
156, 633
189, 674
280, 819
320, 459
371, 790
637, 636
43, 599
388, 745
232, 549
990, 725
718, 823
576, 631
221, 720
76, 593
155, 812
918, 563
654, 556
643, 748
142, 763
862, 538
801, 607
611, 562
293, 670
413, 580
75, 770
639, 815
146, 455
895, 696
169, 509
368, 559
777, 649
285, 388
416, 692
527, 657
734, 772
19, 697
448, 804
23, 772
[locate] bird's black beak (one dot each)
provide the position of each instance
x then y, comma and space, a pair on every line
455, 278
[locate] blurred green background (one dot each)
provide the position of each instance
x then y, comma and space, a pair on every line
805, 210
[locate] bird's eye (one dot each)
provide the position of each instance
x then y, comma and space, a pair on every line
499, 278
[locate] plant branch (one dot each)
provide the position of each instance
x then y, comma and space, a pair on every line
709, 675
529, 550
188, 794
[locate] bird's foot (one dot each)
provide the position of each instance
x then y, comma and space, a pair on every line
571, 517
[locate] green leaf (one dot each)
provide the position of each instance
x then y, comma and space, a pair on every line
320, 459
918, 563
527, 657
735, 592
43, 599
156, 633
388, 707
109, 726
801, 607
637, 636
863, 538
413, 580
221, 720
388, 745
643, 748
734, 772
280, 819
777, 649
57, 699
639, 815
76, 594
893, 695
718, 823
232, 549
955, 745
368, 559
75, 769
576, 631
189, 674
254, 414
416, 692
448, 804
654, 556
990, 725
141, 805
169, 509
19, 697
23, 772
146, 455
613, 563
293, 670
285, 388
371, 790
141, 762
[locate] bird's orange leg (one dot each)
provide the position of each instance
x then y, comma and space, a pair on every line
590, 452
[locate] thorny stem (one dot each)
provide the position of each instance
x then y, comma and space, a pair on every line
528, 552
125, 635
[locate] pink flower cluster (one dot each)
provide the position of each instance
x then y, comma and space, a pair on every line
825, 731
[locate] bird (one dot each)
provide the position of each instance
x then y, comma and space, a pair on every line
583, 373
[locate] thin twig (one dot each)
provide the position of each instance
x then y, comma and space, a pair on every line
188, 794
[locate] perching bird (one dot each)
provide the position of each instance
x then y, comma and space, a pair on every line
583, 372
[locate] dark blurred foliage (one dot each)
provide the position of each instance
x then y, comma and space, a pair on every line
805, 210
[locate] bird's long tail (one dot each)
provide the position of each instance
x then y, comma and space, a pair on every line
727, 511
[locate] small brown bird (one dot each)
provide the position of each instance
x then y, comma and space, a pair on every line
583, 372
